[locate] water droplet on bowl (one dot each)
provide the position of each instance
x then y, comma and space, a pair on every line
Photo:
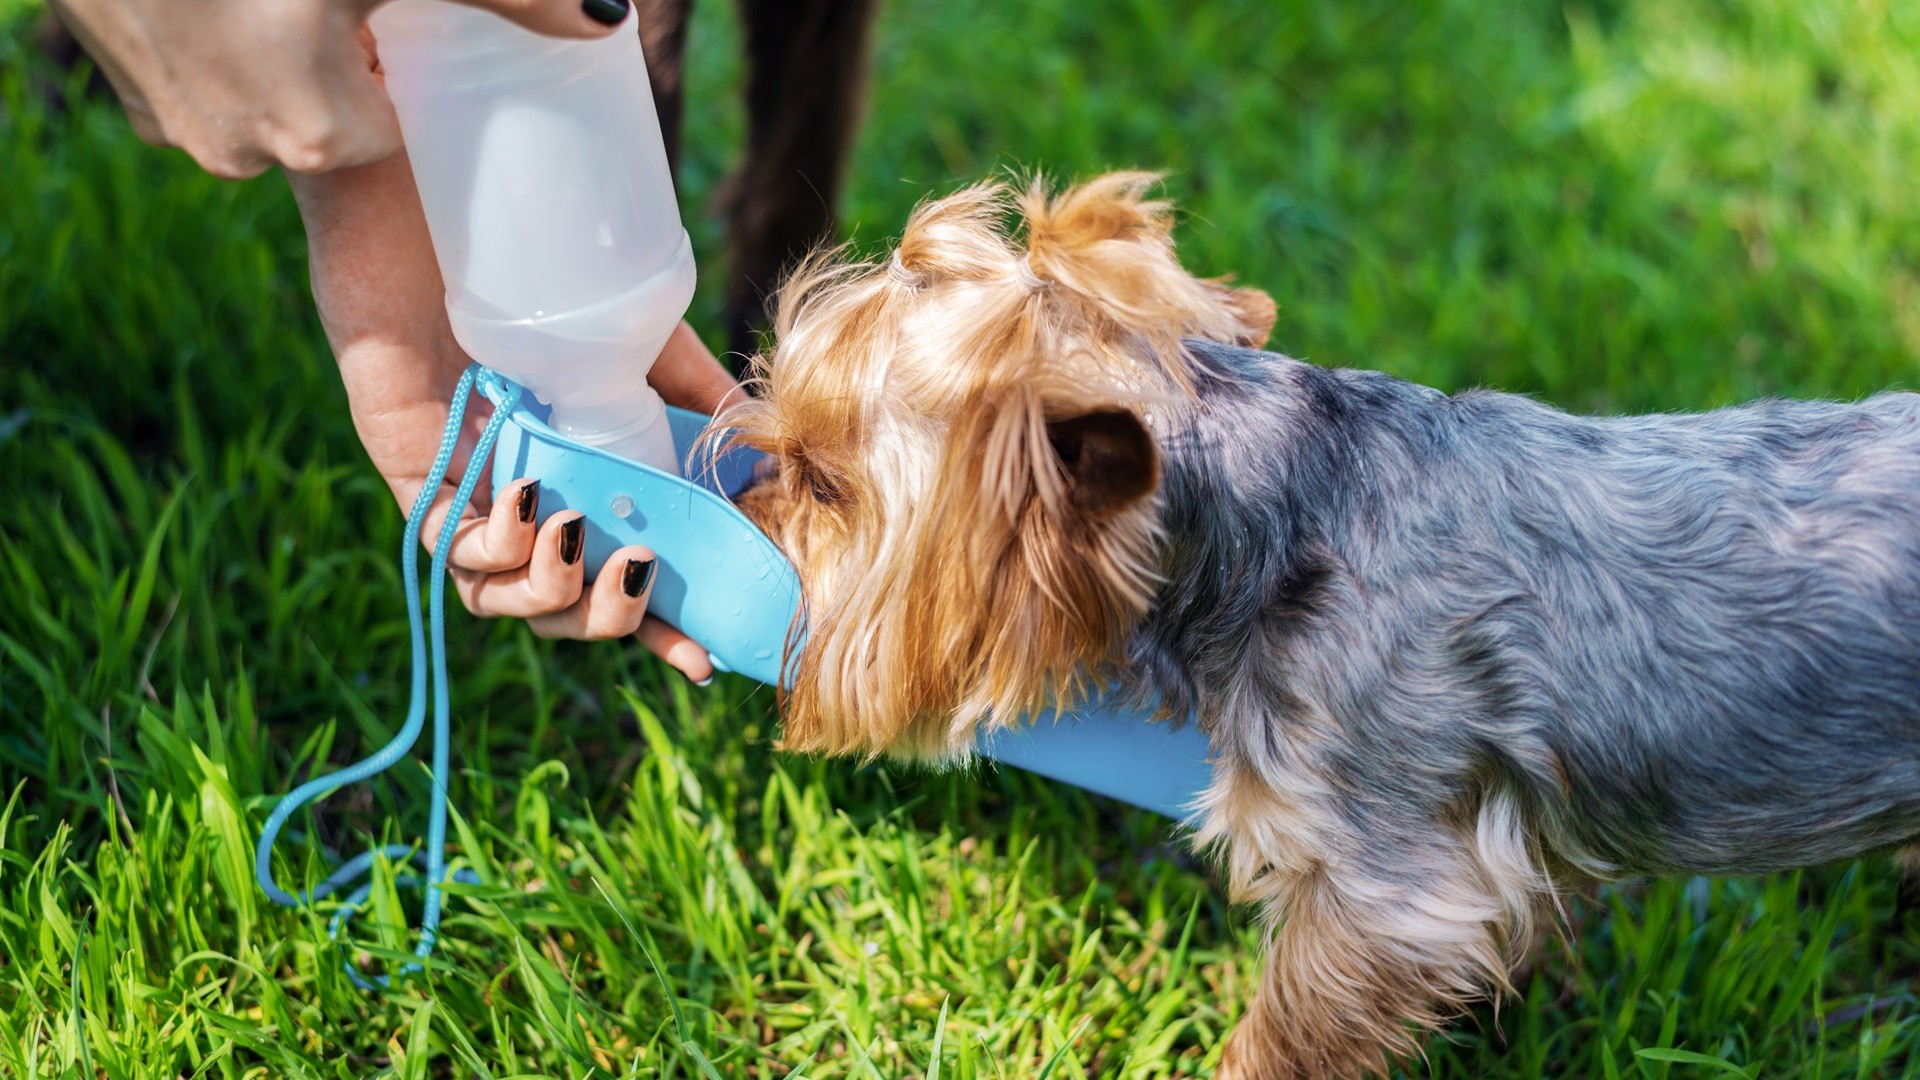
622, 505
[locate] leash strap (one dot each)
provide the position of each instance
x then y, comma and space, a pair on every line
434, 855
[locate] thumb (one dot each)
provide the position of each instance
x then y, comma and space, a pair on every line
561, 18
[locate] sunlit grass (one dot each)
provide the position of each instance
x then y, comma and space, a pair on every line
1617, 206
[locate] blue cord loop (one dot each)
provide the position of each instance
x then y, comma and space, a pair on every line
435, 853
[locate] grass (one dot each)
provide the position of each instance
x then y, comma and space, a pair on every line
1622, 205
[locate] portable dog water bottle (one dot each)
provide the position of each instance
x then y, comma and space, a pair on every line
546, 188
540, 166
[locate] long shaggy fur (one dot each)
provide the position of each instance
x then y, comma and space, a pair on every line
1452, 653
942, 371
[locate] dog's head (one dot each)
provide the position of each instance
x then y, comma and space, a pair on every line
965, 468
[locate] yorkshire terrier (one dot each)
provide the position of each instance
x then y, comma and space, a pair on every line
1453, 653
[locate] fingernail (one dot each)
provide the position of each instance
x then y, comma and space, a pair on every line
633, 580
605, 12
705, 682
527, 503
571, 535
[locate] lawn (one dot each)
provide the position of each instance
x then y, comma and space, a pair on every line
1623, 205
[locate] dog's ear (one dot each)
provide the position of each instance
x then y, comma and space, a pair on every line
1253, 309
1112, 247
1109, 459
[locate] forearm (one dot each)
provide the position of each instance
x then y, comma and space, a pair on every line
380, 300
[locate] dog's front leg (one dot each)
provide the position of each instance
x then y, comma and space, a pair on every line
1378, 942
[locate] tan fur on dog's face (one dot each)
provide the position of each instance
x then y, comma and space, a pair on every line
966, 475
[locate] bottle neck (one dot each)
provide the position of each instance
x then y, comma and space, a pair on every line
632, 425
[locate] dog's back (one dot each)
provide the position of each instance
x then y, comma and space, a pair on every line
1682, 642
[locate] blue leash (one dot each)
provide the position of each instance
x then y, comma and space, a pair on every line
387, 756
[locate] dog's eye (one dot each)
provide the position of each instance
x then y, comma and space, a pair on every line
825, 491
819, 483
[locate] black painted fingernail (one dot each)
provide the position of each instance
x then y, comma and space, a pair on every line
605, 12
571, 535
527, 503
633, 580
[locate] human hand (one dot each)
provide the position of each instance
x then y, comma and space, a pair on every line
381, 300
243, 85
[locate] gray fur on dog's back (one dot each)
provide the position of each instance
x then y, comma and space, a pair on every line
1680, 642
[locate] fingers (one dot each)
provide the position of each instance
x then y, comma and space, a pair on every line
550, 581
504, 565
548, 592
682, 652
503, 540
560, 18
614, 606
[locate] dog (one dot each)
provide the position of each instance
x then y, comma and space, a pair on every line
1454, 653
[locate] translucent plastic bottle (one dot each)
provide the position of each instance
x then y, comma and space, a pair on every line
540, 165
